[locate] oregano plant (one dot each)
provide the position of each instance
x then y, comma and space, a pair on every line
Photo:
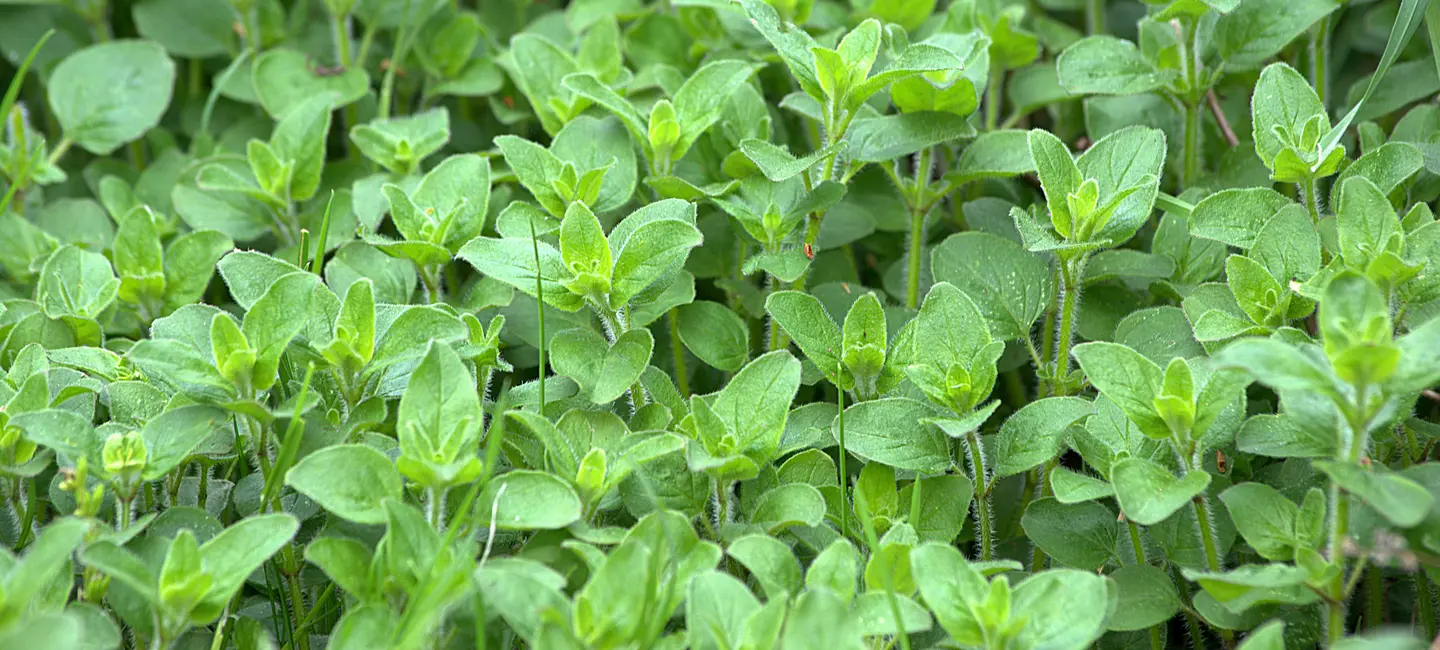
719, 324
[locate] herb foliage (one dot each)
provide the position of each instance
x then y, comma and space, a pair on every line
719, 324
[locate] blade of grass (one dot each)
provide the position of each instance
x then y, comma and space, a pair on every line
1406, 22
12, 93
862, 508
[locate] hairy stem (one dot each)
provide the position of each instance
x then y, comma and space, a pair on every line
982, 495
677, 347
1425, 604
1069, 300
918, 211
1157, 635
1192, 154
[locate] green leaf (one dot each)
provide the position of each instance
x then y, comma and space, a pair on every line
1251, 585
281, 315
1283, 100
654, 250
1071, 487
1235, 217
791, 43
230, 557
1149, 492
1010, 285
439, 419
1265, 518
756, 403
189, 264
792, 504
526, 500
951, 327
886, 431
299, 139
171, 437
512, 261
350, 481
345, 561
110, 94
944, 506
582, 243
1082, 535
1270, 636
882, 139
717, 606
1399, 500
1032, 435
1065, 608
994, 154
952, 589
1147, 598
43, 560
778, 164
76, 283
700, 101
715, 334
1059, 176
1126, 166
1128, 379
805, 320
1105, 65
1258, 29
1366, 225
283, 78
603, 371
1279, 365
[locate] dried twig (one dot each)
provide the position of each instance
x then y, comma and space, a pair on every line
1220, 117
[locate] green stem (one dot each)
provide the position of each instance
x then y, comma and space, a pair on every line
722, 504
1358, 419
1069, 300
122, 514
844, 489
982, 495
402, 46
1037, 558
1374, 598
28, 523
1424, 604
994, 94
917, 227
917, 237
1310, 194
1157, 635
435, 507
1192, 153
252, 30
1135, 542
677, 347
297, 609
1095, 17
429, 277
540, 315
1340, 513
1207, 533
1319, 56
1192, 623
59, 150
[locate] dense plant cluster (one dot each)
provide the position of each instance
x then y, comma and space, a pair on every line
719, 324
